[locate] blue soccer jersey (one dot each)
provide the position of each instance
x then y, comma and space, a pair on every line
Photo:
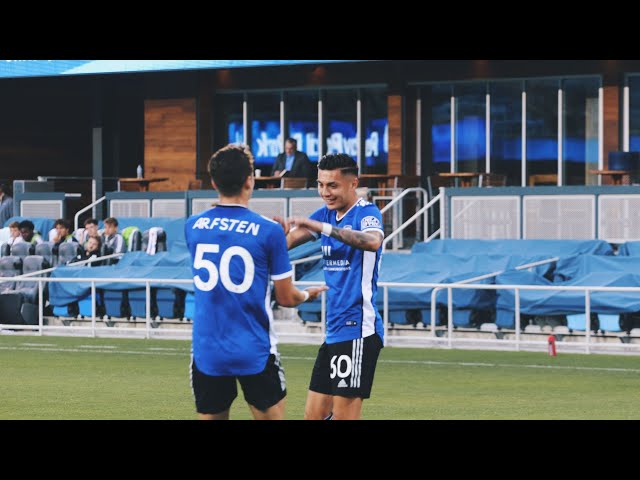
235, 252
351, 275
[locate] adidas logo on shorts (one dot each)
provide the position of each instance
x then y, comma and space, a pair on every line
342, 383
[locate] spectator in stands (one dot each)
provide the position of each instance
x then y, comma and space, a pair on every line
231, 336
296, 163
14, 233
63, 226
90, 228
91, 249
352, 234
6, 204
112, 238
27, 231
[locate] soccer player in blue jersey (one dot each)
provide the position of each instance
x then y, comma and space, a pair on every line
352, 236
236, 253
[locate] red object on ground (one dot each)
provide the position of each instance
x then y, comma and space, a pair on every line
552, 346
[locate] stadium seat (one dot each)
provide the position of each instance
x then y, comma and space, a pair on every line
67, 252
5, 250
9, 267
22, 249
189, 306
45, 249
577, 322
13, 301
161, 242
609, 323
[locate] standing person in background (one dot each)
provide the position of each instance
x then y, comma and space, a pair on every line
236, 253
6, 205
296, 163
352, 236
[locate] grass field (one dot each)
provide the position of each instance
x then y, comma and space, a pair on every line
104, 378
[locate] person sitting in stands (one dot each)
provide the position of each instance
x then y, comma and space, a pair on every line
14, 233
90, 228
63, 226
112, 238
27, 232
91, 249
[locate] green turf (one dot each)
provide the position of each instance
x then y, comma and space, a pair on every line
149, 379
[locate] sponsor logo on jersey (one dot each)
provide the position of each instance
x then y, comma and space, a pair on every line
370, 222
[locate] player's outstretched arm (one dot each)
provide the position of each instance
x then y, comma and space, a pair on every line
369, 241
295, 236
289, 296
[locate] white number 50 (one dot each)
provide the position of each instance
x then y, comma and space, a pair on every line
200, 262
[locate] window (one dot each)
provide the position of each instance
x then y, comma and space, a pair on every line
506, 130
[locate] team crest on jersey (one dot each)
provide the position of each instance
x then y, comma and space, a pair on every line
370, 222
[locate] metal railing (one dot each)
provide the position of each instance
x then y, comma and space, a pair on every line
413, 218
448, 340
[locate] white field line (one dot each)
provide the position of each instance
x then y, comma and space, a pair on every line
186, 352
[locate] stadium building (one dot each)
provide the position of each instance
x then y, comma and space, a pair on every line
558, 142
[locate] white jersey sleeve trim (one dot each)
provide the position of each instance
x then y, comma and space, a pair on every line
282, 276
373, 230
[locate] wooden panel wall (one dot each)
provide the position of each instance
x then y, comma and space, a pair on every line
394, 105
170, 142
612, 121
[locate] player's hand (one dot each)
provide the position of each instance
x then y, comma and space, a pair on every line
314, 292
311, 225
284, 223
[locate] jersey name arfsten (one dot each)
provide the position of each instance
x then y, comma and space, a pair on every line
230, 224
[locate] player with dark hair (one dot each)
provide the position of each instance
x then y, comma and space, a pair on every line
352, 236
236, 253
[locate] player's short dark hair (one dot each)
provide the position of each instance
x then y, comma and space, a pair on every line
293, 141
229, 168
111, 221
28, 224
90, 220
338, 161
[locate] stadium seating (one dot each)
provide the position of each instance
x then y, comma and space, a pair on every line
67, 252
22, 249
45, 249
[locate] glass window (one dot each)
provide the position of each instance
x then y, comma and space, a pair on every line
228, 120
470, 137
580, 130
266, 138
542, 128
341, 117
376, 128
506, 130
436, 129
302, 111
634, 113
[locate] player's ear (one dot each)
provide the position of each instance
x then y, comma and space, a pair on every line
213, 184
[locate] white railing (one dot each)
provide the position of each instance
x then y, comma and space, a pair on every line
88, 207
396, 202
416, 215
447, 340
